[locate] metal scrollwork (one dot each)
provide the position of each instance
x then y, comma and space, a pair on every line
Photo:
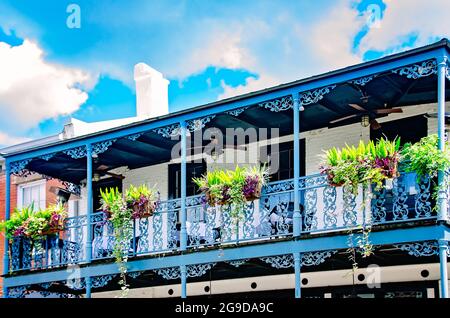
71, 187
350, 215
170, 131
420, 248
238, 263
101, 281
278, 105
197, 124
18, 291
101, 147
169, 273
329, 213
134, 137
19, 167
423, 198
314, 96
379, 205
198, 270
47, 157
135, 275
76, 153
363, 80
236, 112
400, 206
417, 71
280, 261
316, 258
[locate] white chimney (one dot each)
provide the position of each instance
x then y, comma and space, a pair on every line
151, 92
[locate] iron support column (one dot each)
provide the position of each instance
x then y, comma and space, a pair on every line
89, 203
297, 268
443, 249
183, 280
442, 193
297, 216
183, 216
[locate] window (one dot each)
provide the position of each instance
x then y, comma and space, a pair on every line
193, 170
284, 159
32, 193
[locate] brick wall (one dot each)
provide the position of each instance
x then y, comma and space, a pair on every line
13, 203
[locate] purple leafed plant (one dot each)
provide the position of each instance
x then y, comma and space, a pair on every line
251, 186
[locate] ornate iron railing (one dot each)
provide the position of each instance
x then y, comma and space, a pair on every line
323, 208
328, 208
67, 248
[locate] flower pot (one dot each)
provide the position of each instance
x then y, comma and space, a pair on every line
254, 195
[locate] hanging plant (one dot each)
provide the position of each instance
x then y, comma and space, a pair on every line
367, 164
35, 224
16, 225
362, 166
233, 187
425, 158
143, 201
115, 205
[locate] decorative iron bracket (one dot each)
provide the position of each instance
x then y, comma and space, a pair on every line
101, 147
416, 71
362, 81
236, 112
18, 291
174, 130
278, 105
134, 137
19, 167
314, 96
238, 263
308, 259
195, 270
76, 153
417, 249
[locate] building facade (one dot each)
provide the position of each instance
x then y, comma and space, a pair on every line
295, 239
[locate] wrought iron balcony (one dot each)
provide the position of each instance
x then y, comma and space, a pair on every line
324, 209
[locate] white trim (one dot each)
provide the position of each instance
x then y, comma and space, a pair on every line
23, 186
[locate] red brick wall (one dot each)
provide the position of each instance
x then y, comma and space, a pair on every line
13, 203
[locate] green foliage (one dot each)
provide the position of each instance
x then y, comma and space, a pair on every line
12, 227
226, 187
134, 193
425, 158
35, 224
365, 164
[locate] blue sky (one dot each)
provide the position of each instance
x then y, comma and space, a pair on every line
207, 49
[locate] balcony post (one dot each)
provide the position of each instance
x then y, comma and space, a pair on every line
89, 202
297, 216
7, 215
88, 286
183, 216
297, 268
183, 280
442, 199
443, 249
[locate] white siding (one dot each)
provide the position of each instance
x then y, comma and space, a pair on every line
157, 175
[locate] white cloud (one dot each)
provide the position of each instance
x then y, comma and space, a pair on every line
32, 89
427, 20
299, 49
7, 140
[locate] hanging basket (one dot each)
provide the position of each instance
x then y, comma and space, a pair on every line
255, 195
145, 210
